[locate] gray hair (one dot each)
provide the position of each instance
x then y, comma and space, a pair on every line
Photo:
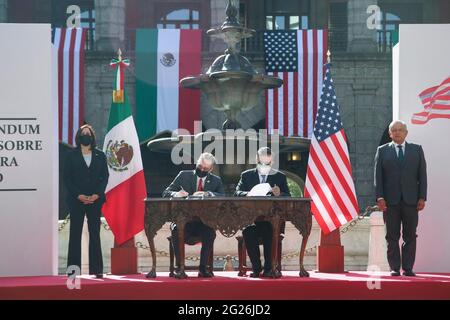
208, 157
265, 151
393, 123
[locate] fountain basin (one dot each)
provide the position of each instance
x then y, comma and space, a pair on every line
232, 90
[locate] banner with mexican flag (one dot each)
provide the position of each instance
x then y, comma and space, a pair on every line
126, 189
163, 58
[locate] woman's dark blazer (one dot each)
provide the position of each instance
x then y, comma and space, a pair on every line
81, 179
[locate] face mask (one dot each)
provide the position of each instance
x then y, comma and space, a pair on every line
200, 173
263, 169
86, 140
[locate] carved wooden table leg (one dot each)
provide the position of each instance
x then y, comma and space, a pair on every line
242, 254
181, 274
303, 272
152, 273
275, 220
305, 235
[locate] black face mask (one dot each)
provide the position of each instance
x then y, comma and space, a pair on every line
200, 173
86, 140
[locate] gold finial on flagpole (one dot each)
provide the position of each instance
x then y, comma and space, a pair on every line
329, 56
118, 94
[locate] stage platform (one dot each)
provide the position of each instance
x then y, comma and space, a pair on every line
227, 286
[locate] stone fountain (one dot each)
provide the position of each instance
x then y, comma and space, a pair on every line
232, 84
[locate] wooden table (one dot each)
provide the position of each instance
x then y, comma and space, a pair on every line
228, 215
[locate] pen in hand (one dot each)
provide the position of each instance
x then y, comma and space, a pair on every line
183, 191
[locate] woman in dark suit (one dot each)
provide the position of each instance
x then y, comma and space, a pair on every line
86, 176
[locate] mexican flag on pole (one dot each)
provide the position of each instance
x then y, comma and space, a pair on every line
126, 190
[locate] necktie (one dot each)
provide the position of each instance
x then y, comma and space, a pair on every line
400, 153
200, 185
263, 179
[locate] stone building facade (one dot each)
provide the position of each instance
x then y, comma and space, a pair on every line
362, 64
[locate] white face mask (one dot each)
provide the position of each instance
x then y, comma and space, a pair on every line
264, 169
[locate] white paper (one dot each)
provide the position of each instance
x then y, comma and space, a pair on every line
260, 190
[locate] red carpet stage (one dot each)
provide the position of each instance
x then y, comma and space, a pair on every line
226, 285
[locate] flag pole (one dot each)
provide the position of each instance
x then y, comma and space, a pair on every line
330, 252
124, 257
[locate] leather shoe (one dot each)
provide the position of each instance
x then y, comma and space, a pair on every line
409, 273
99, 276
255, 274
205, 274
267, 274
395, 273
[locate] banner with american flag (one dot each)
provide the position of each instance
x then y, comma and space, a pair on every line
436, 103
297, 57
329, 181
70, 44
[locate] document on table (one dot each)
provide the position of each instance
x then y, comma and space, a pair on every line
260, 190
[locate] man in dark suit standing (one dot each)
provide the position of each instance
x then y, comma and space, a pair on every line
263, 173
198, 182
401, 192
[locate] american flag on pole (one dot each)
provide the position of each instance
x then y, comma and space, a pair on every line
329, 181
436, 103
297, 57
69, 44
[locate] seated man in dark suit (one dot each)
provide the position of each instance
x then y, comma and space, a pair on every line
198, 182
263, 173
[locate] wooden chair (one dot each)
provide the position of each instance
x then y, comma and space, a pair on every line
242, 252
189, 241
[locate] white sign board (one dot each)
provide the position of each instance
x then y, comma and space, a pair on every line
28, 152
420, 62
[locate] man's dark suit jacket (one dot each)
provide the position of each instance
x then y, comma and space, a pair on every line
81, 179
187, 180
250, 178
395, 180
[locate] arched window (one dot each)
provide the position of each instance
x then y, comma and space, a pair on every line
287, 14
387, 31
88, 22
185, 18
87, 19
165, 14
391, 15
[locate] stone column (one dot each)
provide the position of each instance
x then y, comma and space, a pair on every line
3, 11
110, 24
360, 37
377, 244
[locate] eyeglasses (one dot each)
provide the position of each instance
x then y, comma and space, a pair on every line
398, 130
203, 168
